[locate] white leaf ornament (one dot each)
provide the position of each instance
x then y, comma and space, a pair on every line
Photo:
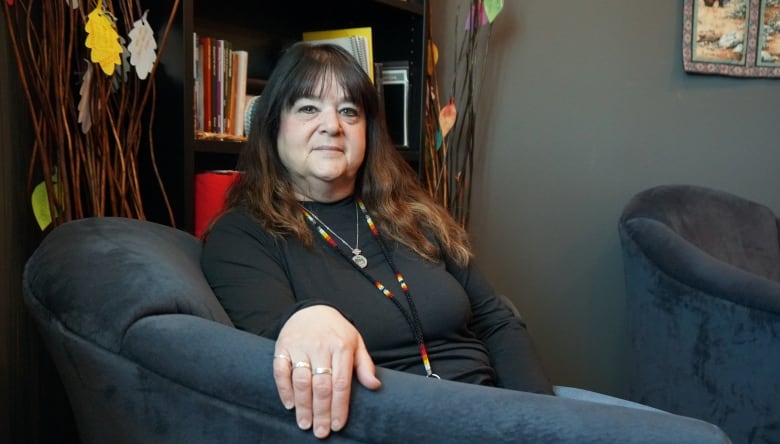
142, 47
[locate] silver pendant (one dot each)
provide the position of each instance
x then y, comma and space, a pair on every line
360, 260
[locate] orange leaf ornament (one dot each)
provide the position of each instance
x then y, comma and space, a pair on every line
447, 117
432, 58
103, 39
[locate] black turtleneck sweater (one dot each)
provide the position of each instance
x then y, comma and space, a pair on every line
470, 334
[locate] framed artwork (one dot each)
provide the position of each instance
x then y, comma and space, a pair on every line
739, 38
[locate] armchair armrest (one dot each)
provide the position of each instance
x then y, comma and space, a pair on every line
231, 371
687, 264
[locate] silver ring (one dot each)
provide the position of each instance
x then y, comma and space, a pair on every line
322, 371
302, 364
285, 357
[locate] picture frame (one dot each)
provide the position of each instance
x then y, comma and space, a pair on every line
739, 38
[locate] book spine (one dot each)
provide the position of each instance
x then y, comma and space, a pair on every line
241, 61
205, 43
196, 86
214, 87
228, 90
221, 90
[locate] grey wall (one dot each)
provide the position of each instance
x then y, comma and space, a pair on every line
586, 103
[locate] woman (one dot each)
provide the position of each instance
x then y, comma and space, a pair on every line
330, 246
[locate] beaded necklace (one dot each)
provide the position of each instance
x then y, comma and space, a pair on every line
411, 316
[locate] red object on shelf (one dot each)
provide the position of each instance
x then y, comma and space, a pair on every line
210, 191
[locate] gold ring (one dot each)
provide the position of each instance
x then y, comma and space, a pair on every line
322, 371
302, 364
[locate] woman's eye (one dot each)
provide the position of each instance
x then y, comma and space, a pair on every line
308, 109
349, 112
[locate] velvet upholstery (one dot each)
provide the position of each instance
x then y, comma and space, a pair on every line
147, 355
702, 270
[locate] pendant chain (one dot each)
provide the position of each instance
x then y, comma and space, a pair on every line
357, 256
411, 315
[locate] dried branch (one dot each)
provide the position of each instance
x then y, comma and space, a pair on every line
92, 172
448, 163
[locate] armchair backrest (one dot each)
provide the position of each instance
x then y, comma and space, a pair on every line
156, 266
729, 228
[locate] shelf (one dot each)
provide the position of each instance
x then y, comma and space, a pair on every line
217, 146
407, 5
263, 29
255, 86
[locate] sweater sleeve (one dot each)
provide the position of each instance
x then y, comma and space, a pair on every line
245, 267
500, 328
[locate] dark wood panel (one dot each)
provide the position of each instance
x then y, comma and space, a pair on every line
34, 408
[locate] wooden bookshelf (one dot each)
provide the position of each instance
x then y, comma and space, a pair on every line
263, 29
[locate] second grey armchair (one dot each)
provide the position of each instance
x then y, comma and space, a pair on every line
702, 270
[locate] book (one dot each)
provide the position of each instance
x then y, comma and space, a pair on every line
238, 100
206, 66
197, 83
227, 89
357, 41
220, 88
216, 86
393, 86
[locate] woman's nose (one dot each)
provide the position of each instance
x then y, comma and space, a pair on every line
331, 123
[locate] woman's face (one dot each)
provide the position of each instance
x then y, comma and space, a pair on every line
322, 142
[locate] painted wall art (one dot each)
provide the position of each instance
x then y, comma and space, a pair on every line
739, 38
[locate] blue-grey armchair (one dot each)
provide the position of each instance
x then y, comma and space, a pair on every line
147, 355
702, 270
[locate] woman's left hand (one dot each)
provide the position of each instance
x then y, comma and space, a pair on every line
316, 353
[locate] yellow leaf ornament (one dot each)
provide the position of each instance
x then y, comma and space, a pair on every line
103, 39
40, 202
142, 46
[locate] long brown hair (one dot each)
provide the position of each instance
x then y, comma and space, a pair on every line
400, 207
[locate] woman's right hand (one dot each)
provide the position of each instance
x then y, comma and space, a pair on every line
316, 353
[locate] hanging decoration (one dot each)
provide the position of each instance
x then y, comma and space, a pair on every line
84, 118
88, 133
448, 152
103, 39
142, 47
